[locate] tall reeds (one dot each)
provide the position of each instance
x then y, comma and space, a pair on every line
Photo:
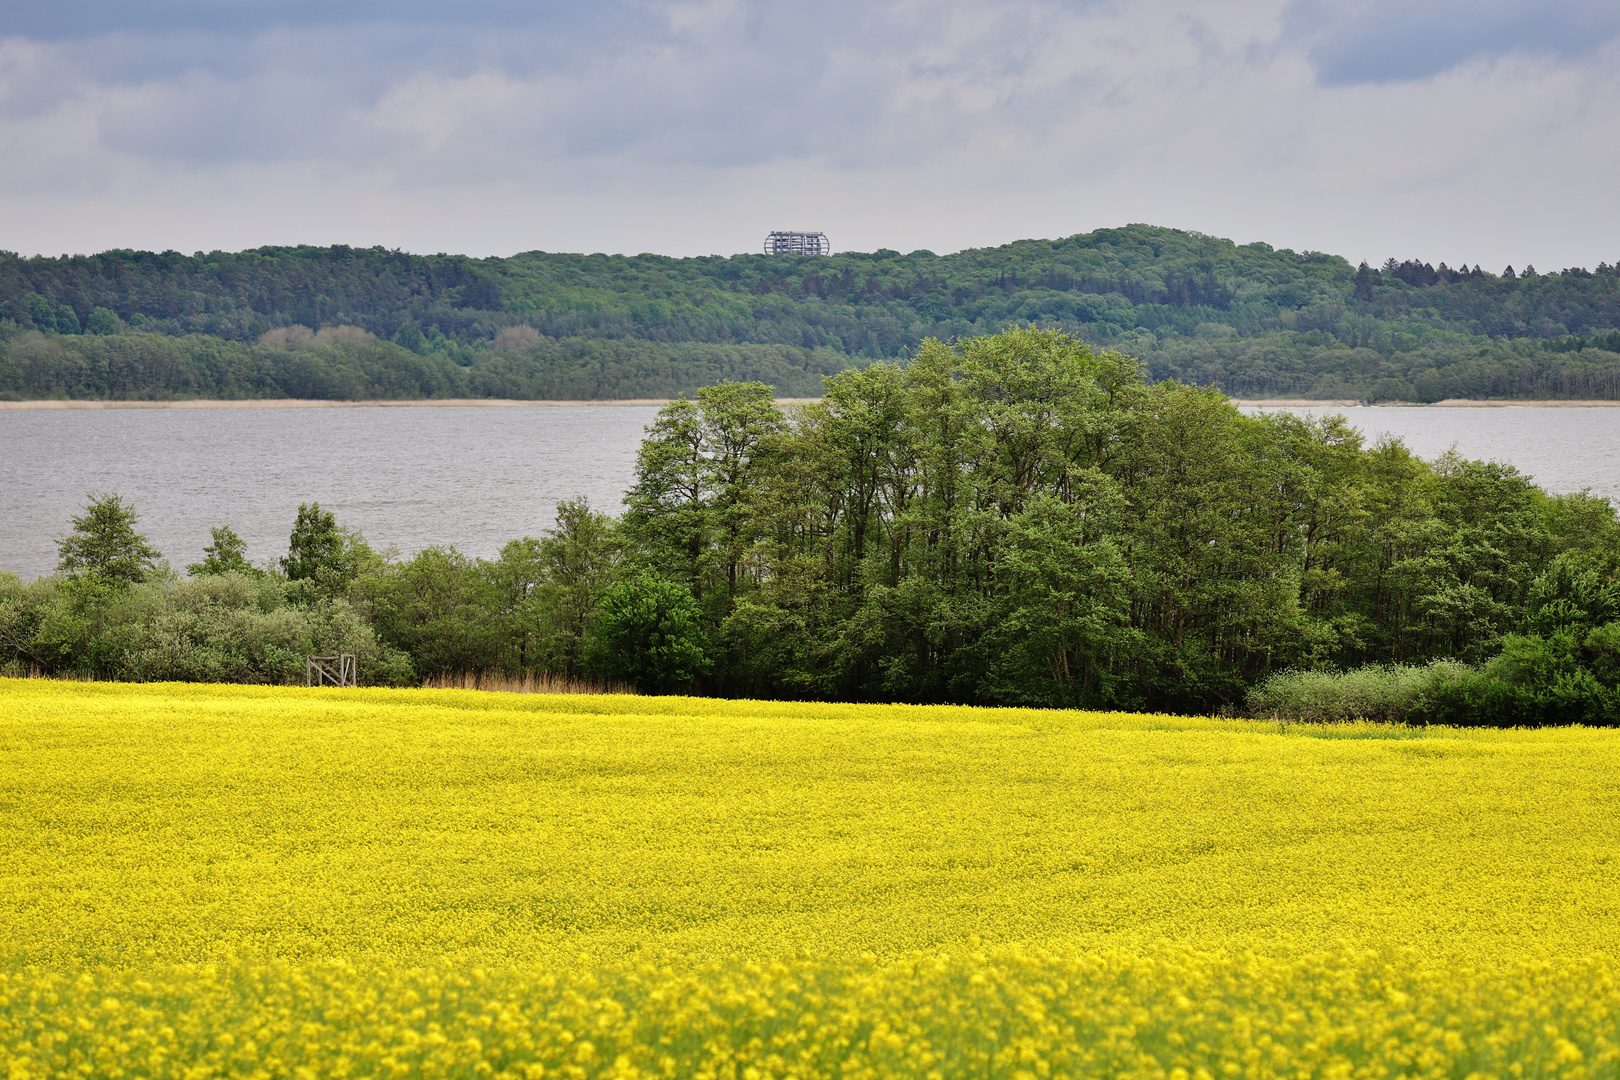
17, 670
527, 683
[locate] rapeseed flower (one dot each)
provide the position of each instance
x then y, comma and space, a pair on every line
239, 881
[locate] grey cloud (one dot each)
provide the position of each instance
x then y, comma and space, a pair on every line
199, 96
715, 85
203, 119
70, 20
1381, 41
767, 84
788, 81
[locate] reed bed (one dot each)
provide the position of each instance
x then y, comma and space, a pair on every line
34, 671
528, 683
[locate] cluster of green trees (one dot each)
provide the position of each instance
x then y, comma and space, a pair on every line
348, 364
1014, 519
115, 610
1248, 319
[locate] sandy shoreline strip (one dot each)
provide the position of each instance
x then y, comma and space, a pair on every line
1294, 403
1448, 403
509, 403
301, 403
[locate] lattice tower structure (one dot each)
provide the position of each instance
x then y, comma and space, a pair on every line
798, 243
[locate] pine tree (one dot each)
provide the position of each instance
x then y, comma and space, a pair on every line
316, 541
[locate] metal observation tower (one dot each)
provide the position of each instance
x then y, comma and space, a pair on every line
798, 243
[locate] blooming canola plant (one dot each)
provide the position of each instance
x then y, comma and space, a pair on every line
252, 881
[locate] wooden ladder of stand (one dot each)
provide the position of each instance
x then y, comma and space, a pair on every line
330, 670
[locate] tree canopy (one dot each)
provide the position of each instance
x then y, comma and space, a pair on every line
226, 553
104, 543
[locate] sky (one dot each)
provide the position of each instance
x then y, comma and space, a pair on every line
1470, 131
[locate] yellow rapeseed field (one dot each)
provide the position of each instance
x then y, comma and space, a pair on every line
202, 881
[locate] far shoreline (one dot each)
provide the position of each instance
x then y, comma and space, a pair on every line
1448, 403
312, 403
51, 404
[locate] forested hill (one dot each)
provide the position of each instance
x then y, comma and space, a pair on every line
346, 322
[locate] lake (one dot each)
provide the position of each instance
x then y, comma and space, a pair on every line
478, 477
411, 477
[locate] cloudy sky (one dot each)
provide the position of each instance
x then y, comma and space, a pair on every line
1478, 131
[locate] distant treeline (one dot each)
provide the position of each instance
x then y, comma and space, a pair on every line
346, 363
1289, 365
1018, 520
1249, 319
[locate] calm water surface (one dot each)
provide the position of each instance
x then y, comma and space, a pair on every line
472, 477
1563, 449
478, 477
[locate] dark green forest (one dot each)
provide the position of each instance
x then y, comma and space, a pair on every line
1018, 519
342, 322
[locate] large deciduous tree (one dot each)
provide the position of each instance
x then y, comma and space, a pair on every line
649, 634
105, 544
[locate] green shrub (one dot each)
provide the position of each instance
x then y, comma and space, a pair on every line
230, 627
235, 627
1392, 693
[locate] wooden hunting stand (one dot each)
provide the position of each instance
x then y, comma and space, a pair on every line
338, 670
